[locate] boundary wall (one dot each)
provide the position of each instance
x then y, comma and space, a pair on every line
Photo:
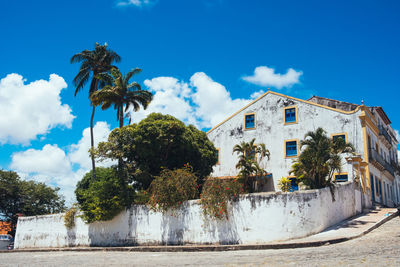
254, 219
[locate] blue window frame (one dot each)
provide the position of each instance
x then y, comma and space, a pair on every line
291, 148
339, 136
250, 121
293, 184
290, 115
341, 177
217, 156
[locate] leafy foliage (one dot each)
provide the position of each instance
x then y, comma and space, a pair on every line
102, 198
157, 142
284, 184
121, 93
250, 156
216, 194
172, 188
69, 217
26, 197
320, 159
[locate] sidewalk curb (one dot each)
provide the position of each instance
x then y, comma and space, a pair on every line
200, 248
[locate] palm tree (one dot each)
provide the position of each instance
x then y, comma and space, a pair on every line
320, 159
120, 93
93, 63
250, 155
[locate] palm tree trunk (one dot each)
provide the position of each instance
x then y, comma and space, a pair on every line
92, 143
121, 117
121, 124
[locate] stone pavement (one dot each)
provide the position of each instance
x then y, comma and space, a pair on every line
352, 228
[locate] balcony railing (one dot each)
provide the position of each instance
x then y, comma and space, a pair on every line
374, 156
396, 166
383, 131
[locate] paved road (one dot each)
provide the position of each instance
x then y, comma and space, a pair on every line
381, 247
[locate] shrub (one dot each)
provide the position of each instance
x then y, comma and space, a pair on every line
103, 198
69, 217
284, 184
216, 194
172, 188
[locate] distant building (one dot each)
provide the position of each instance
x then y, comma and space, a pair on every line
281, 121
5, 227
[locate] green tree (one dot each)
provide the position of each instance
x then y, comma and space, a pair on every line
121, 93
26, 197
250, 156
93, 63
103, 197
157, 142
320, 159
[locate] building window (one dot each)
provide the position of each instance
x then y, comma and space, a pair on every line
291, 148
339, 135
218, 155
341, 177
294, 186
250, 121
290, 114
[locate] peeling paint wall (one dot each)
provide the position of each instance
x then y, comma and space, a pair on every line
271, 130
254, 218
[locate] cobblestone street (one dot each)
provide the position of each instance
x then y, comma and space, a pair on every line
381, 247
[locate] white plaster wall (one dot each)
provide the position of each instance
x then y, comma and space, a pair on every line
255, 218
272, 132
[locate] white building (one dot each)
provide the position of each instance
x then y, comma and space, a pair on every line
281, 121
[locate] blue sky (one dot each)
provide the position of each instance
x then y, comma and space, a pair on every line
195, 55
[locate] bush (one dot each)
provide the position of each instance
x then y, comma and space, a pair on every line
103, 198
172, 188
216, 194
285, 184
69, 217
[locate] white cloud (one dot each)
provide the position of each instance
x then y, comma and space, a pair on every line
257, 94
49, 161
170, 97
202, 102
138, 3
213, 101
265, 76
29, 110
52, 165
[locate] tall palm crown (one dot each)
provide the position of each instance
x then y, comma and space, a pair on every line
121, 93
93, 63
320, 158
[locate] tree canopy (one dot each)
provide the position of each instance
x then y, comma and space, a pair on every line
320, 158
103, 197
28, 198
159, 142
250, 156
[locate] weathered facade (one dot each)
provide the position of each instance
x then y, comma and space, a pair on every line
281, 121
